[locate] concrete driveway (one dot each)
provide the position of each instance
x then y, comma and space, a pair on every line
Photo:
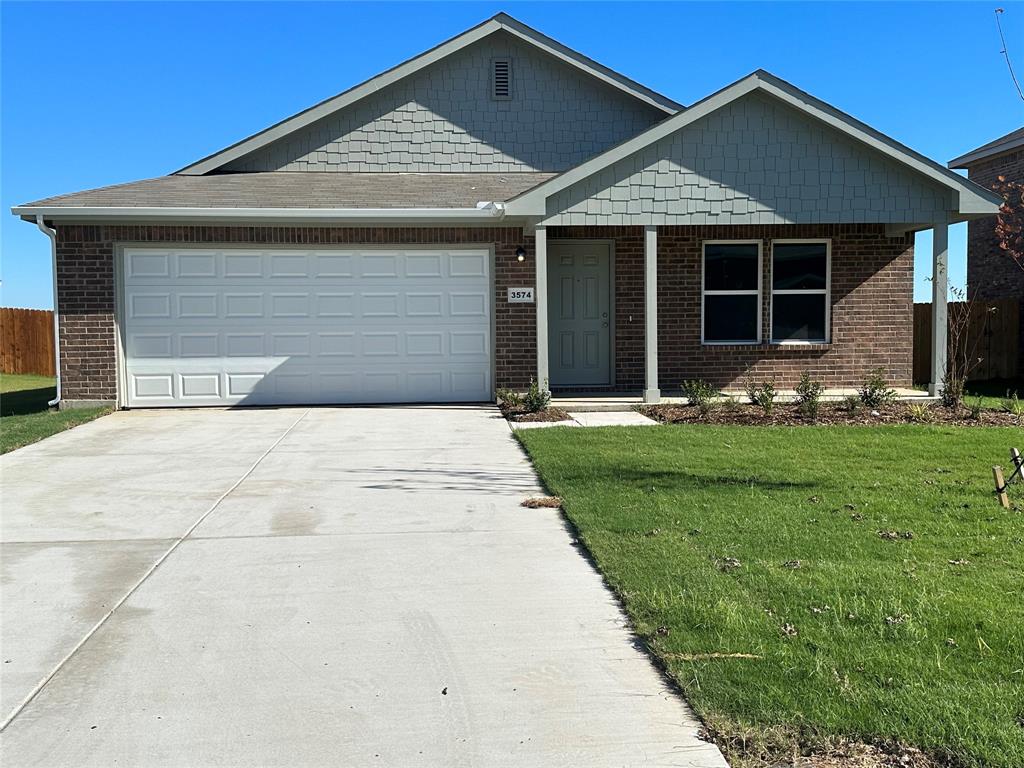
291, 587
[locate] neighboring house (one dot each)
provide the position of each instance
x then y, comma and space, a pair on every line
991, 274
501, 209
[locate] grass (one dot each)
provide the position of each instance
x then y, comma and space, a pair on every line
914, 640
993, 392
24, 415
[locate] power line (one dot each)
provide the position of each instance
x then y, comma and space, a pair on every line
1006, 54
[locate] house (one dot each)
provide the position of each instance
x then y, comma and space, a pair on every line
498, 209
990, 274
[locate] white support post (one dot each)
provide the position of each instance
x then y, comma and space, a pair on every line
651, 392
940, 289
541, 294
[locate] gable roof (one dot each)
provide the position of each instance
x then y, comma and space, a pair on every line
973, 199
1012, 140
499, 22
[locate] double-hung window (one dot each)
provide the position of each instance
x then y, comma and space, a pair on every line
800, 287
731, 292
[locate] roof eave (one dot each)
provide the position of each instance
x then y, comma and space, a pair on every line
484, 213
964, 161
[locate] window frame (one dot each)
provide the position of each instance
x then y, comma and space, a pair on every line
826, 291
759, 292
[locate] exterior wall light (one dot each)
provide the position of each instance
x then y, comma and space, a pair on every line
520, 253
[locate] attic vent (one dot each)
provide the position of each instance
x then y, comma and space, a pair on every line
501, 79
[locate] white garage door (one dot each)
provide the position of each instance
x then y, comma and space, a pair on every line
257, 327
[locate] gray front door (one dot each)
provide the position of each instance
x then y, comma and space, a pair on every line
579, 314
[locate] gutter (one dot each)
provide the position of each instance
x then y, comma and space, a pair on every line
484, 211
52, 234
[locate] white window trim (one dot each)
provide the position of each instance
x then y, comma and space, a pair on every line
826, 291
758, 292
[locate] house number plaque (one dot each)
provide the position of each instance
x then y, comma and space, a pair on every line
520, 295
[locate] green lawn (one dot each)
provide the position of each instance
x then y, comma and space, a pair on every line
994, 392
24, 416
917, 640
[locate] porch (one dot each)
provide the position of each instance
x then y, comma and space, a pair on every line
648, 309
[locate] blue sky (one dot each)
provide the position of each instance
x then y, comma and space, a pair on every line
100, 93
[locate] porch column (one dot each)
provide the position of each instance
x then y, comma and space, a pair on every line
651, 392
541, 294
940, 289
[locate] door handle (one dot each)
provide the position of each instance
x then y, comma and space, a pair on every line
604, 325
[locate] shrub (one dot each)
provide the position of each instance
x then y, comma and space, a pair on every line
1013, 405
852, 404
510, 397
977, 407
875, 391
730, 404
700, 394
751, 388
808, 393
763, 395
953, 385
536, 399
920, 413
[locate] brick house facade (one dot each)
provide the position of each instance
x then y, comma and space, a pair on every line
473, 193
871, 296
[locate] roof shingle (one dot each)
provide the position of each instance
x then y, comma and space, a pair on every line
306, 190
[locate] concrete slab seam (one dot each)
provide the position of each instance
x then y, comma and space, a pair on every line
42, 683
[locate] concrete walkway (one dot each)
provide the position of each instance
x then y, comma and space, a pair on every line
591, 419
282, 587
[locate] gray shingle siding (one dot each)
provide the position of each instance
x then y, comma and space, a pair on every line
755, 161
444, 119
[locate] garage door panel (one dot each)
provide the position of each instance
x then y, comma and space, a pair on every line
218, 327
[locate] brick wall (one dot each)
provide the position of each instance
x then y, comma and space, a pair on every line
872, 307
872, 310
85, 280
872, 295
990, 274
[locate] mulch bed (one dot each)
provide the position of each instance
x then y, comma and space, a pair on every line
521, 414
787, 414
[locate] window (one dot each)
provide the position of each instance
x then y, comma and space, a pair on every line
731, 292
501, 79
800, 287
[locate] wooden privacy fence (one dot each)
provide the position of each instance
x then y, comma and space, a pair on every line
26, 341
993, 335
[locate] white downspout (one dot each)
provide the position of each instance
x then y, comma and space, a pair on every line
52, 234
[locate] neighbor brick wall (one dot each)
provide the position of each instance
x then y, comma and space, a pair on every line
990, 273
872, 293
85, 281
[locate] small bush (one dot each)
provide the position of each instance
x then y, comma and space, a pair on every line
876, 391
730, 404
920, 413
852, 404
808, 393
953, 386
976, 407
700, 394
510, 397
536, 399
763, 395
751, 388
1012, 404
